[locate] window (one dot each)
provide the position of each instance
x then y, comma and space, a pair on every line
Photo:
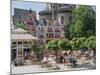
53, 7
57, 29
32, 29
62, 19
30, 42
38, 28
57, 35
47, 34
14, 43
51, 34
41, 36
19, 42
49, 24
41, 28
44, 21
50, 29
59, 5
25, 42
70, 18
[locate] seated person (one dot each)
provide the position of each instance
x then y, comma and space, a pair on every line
72, 60
52, 62
45, 60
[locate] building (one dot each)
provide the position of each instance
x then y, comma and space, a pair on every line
58, 32
61, 11
49, 31
53, 31
56, 16
25, 19
40, 30
50, 23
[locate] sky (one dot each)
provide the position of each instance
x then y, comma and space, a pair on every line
37, 6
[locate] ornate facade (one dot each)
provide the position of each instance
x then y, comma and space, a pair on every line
56, 16
26, 19
50, 23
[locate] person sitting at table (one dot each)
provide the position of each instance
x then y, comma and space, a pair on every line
45, 61
52, 62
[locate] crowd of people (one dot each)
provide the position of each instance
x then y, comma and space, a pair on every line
68, 58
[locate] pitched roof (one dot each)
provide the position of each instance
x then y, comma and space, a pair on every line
56, 22
19, 30
23, 37
21, 34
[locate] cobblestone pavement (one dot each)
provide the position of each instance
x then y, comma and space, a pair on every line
38, 68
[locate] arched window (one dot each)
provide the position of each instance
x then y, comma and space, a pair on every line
70, 18
62, 19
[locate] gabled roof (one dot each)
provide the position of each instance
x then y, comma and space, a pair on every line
23, 37
19, 31
21, 34
56, 22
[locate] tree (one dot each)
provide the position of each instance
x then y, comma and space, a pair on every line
91, 43
81, 43
84, 22
21, 25
38, 49
53, 45
66, 31
64, 44
73, 43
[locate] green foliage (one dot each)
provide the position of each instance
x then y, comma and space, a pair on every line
81, 42
64, 44
66, 31
38, 49
84, 22
74, 44
21, 25
53, 45
91, 42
